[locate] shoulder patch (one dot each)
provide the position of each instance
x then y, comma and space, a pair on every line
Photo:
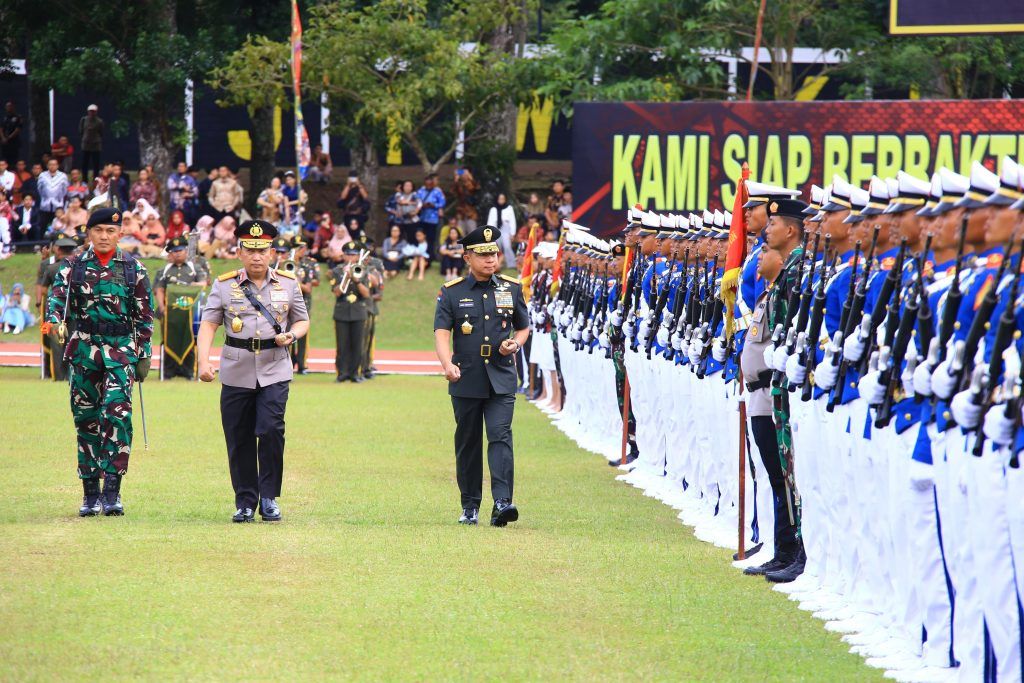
454, 282
228, 276
284, 273
510, 278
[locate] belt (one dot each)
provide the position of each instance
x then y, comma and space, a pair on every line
763, 381
253, 344
110, 329
485, 350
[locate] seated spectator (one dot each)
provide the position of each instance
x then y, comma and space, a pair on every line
76, 214
176, 227
320, 166
225, 195
204, 227
101, 183
59, 225
309, 229
119, 183
63, 152
336, 246
14, 313
535, 207
551, 212
418, 254
408, 205
355, 231
27, 225
392, 252
391, 205
152, 237
77, 188
565, 208
465, 188
21, 176
271, 203
451, 251
144, 188
324, 233
131, 225
6, 208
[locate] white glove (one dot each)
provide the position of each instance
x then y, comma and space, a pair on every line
997, 427
541, 318
718, 350
796, 373
575, 334
627, 328
769, 356
853, 348
907, 379
825, 376
779, 359
603, 340
663, 335
588, 334
870, 389
677, 343
943, 384
616, 318
921, 477
923, 380
696, 348
645, 329
966, 413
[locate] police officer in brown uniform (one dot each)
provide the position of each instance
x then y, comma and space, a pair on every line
483, 319
264, 314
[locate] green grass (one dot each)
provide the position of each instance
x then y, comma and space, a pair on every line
369, 576
405, 322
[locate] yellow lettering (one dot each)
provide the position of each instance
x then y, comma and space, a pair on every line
798, 168
772, 170
971, 150
623, 179
703, 172
652, 185
681, 172
733, 151
540, 116
860, 170
888, 156
1000, 146
917, 154
944, 153
837, 156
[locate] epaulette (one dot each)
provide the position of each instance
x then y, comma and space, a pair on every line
285, 273
228, 276
454, 282
510, 278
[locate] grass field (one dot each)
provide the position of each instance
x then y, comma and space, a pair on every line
400, 327
369, 576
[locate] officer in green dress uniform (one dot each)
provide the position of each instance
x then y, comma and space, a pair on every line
349, 285
486, 314
375, 281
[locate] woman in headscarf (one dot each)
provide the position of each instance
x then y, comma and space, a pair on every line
503, 217
151, 233
14, 315
176, 226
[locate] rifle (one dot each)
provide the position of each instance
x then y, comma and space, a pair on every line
888, 296
925, 328
953, 298
714, 316
852, 318
659, 309
818, 319
890, 376
806, 287
677, 304
1004, 337
638, 290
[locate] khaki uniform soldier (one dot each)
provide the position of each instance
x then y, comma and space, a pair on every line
349, 283
179, 357
263, 312
487, 316
54, 365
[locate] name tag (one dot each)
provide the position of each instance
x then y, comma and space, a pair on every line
278, 296
503, 299
466, 304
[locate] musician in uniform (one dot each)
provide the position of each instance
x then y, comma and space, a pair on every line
178, 271
350, 286
264, 314
375, 281
308, 276
54, 365
486, 314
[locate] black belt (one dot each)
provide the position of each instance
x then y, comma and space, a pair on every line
763, 381
110, 329
253, 344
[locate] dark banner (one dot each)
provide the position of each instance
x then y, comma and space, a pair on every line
686, 156
179, 334
923, 17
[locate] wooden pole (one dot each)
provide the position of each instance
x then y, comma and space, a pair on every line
625, 419
741, 551
757, 50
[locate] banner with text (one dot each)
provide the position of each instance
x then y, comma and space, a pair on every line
686, 156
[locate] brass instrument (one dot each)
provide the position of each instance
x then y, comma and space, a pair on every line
289, 265
355, 272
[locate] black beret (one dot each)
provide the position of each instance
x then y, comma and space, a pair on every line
177, 244
104, 216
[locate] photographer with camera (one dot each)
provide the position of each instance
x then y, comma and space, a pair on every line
354, 201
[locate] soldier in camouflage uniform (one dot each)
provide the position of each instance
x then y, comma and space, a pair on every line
106, 293
308, 276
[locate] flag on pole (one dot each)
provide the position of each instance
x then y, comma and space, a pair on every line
302, 151
527, 273
736, 255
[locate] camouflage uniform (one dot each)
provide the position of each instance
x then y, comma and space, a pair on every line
113, 323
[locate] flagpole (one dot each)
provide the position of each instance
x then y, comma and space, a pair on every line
757, 50
296, 63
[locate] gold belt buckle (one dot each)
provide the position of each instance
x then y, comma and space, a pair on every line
485, 350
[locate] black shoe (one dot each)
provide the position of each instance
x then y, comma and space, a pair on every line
342, 378
242, 515
358, 380
91, 505
773, 565
369, 374
112, 506
269, 510
504, 512
748, 553
469, 516
790, 572
303, 371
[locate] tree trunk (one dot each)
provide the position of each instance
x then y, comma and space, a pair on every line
37, 133
261, 132
367, 165
157, 147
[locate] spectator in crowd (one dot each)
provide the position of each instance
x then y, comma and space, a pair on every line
335, 248
354, 201
21, 174
176, 226
551, 212
6, 177
225, 195
432, 211
465, 189
271, 203
391, 205
181, 190
408, 206
324, 234
294, 200
144, 188
59, 225
101, 183
118, 183
503, 217
535, 207
90, 127
310, 227
63, 151
77, 188
76, 214
30, 186
203, 192
204, 228
451, 252
565, 208
393, 252
15, 315
320, 166
28, 223
5, 237
418, 254
151, 233
10, 134
6, 208
131, 232
355, 232
217, 237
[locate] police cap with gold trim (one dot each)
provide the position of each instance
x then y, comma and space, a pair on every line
483, 240
256, 234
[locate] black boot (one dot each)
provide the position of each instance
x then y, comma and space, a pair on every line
112, 495
791, 571
91, 502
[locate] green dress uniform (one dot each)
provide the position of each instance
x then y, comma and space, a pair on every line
308, 272
482, 314
350, 312
186, 273
111, 306
375, 267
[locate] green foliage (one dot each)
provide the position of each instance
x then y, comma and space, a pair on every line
255, 75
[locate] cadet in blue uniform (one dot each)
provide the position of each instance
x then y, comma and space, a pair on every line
486, 314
